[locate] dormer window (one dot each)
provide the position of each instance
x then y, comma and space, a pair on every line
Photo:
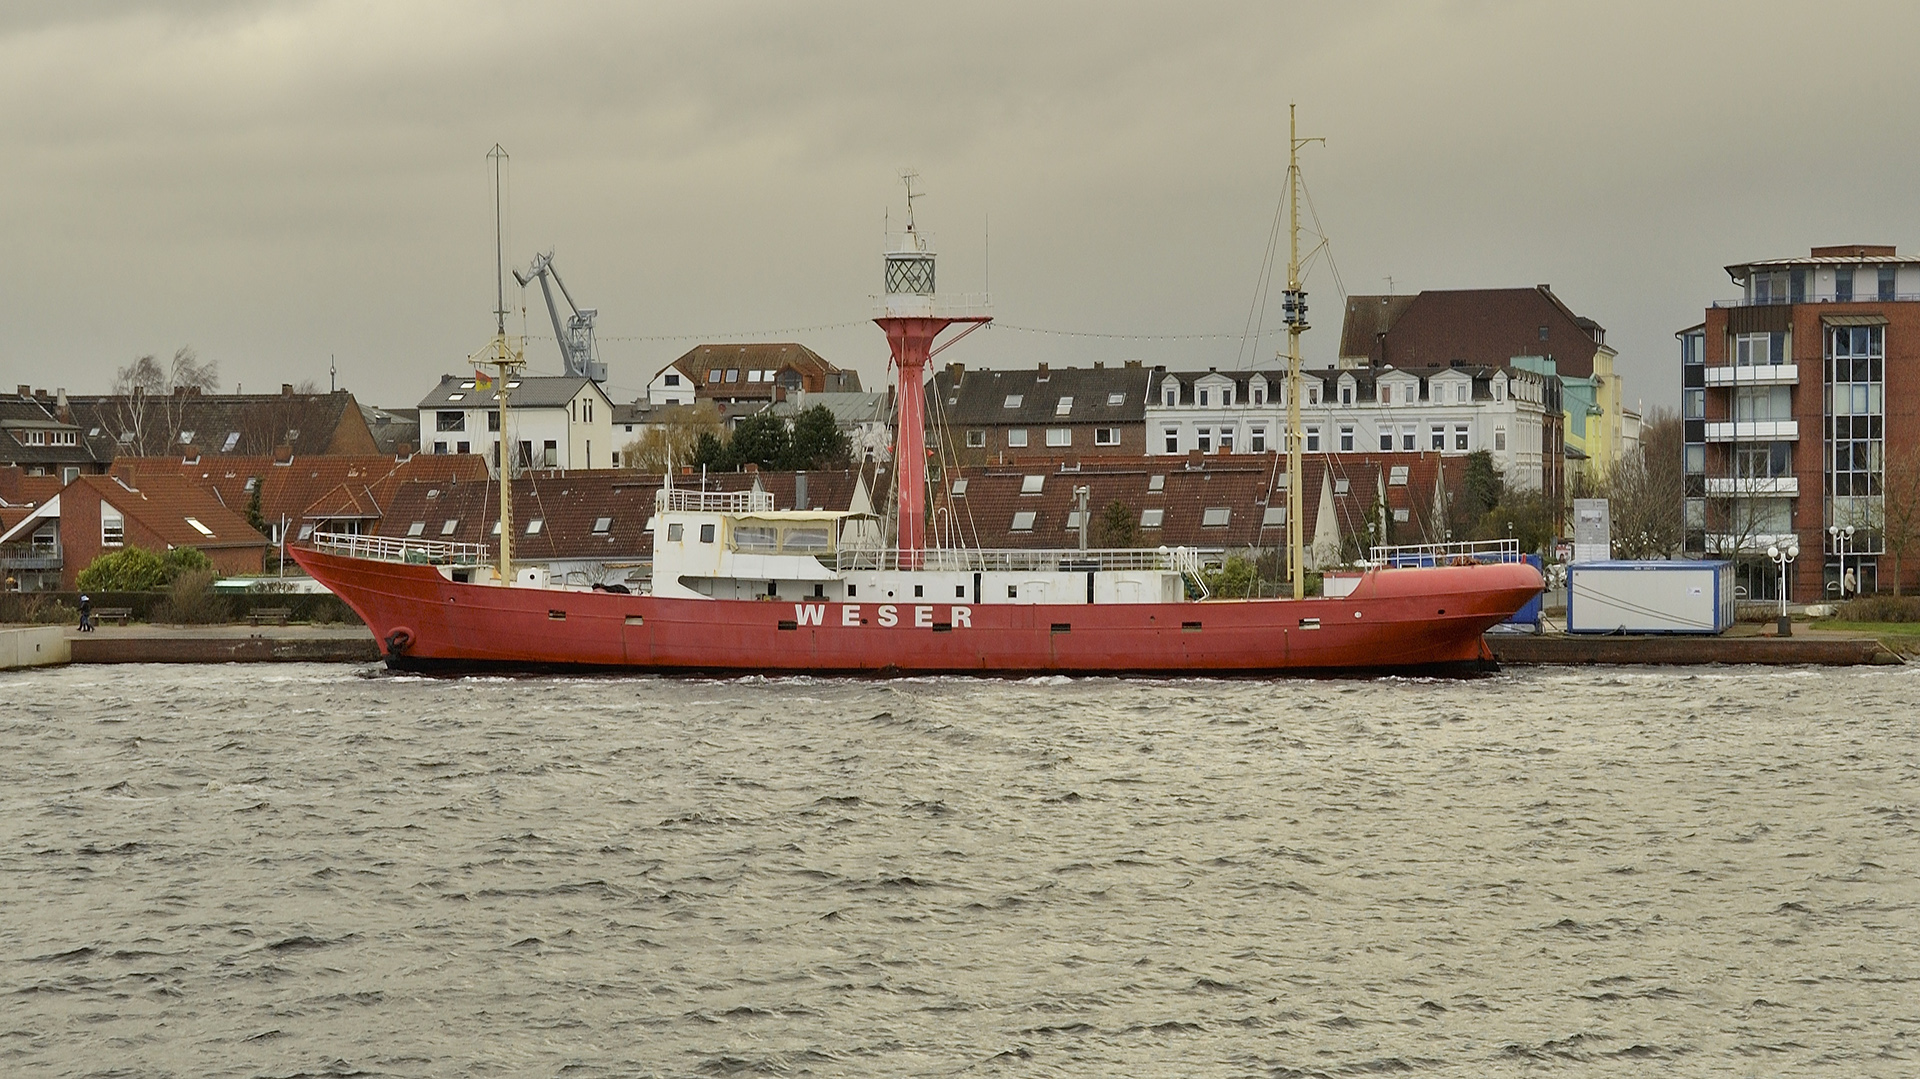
1172, 394
1346, 394
1202, 395
1226, 396
1259, 391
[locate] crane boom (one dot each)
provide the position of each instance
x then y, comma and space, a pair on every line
577, 347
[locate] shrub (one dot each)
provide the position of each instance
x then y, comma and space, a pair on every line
36, 608
136, 569
1881, 609
190, 599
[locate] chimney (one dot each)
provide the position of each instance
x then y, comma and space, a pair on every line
1043, 373
1099, 365
1193, 459
286, 389
1133, 365
403, 451
65, 414
283, 454
956, 372
750, 467
24, 391
41, 394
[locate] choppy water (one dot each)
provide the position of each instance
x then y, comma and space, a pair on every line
315, 870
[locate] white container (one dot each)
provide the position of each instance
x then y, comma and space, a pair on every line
1650, 597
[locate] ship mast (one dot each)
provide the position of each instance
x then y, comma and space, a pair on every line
505, 360
1294, 311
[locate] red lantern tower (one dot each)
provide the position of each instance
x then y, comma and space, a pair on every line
912, 317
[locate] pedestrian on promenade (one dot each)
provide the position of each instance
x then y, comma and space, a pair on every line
86, 614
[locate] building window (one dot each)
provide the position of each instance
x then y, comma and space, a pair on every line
449, 421
1855, 434
1386, 440
1226, 440
713, 376
1023, 521
1843, 285
960, 487
1114, 400
1313, 438
1346, 395
1274, 516
416, 528
1397, 477
1032, 485
1696, 459
464, 447
1797, 286
1063, 407
449, 526
1762, 403
1259, 391
550, 452
113, 526
1257, 438
1409, 438
733, 374
1203, 439
1500, 439
1886, 284
1438, 437
1172, 397
1017, 438
1215, 517
1202, 394
1693, 404
1459, 436
1759, 349
1313, 394
441, 447
1106, 436
1156, 483
1173, 439
1346, 438
976, 439
673, 380
1059, 436
1152, 518
1013, 401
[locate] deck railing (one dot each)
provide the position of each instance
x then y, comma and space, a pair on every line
697, 501
1445, 554
1044, 560
390, 549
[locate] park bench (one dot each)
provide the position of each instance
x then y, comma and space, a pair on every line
117, 615
275, 616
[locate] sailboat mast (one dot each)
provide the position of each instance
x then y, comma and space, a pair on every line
1295, 310
504, 361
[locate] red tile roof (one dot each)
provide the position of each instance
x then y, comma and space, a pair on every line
164, 505
1474, 326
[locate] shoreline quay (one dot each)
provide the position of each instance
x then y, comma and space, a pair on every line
28, 646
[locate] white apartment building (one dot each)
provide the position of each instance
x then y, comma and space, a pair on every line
553, 421
1446, 410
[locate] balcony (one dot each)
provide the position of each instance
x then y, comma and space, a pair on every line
1754, 431
1870, 294
1754, 487
1768, 374
1757, 543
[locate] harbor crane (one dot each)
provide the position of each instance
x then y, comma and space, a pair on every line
578, 351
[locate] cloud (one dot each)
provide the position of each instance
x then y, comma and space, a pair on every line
275, 182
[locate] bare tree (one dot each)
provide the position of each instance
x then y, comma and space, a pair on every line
1900, 511
672, 438
146, 407
1646, 491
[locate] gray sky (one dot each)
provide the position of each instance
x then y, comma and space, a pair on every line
274, 182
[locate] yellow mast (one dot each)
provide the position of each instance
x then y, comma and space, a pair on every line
505, 360
1294, 309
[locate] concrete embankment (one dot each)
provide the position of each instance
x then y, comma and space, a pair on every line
225, 644
1570, 650
33, 646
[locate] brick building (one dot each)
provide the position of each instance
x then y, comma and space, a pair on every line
1041, 414
95, 515
1796, 398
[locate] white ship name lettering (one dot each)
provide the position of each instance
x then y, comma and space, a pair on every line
889, 615
962, 616
809, 614
850, 614
923, 617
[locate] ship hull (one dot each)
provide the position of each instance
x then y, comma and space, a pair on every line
1395, 620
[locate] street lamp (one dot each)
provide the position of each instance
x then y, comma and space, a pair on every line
1842, 538
1783, 557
